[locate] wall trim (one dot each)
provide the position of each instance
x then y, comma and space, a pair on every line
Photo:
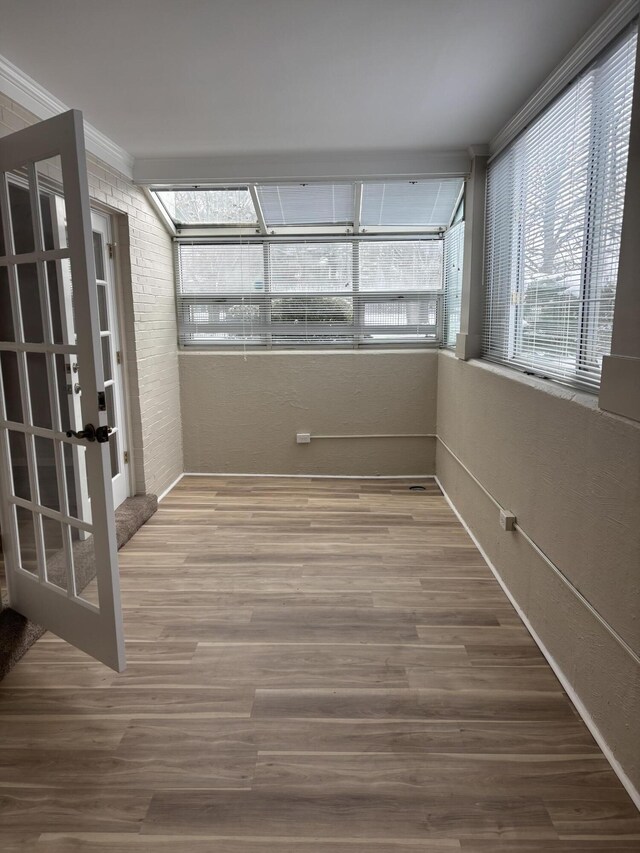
318, 476
313, 436
28, 93
597, 38
564, 681
162, 496
555, 569
244, 353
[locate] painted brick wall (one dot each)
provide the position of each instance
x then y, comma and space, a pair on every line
145, 259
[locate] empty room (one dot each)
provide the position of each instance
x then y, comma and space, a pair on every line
319, 426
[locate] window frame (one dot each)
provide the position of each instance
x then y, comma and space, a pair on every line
263, 227
585, 375
264, 300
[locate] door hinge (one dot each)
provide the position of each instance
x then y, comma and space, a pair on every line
111, 247
118, 357
126, 457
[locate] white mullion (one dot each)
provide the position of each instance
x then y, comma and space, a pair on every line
29, 429
67, 544
53, 514
357, 306
9, 520
258, 207
439, 318
586, 310
34, 257
52, 380
56, 420
357, 208
21, 357
20, 346
45, 302
266, 310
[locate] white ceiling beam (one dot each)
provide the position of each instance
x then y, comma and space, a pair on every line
327, 166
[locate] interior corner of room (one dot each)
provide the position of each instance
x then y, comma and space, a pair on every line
449, 312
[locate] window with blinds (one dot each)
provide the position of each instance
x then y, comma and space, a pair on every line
322, 292
307, 204
453, 257
427, 203
555, 199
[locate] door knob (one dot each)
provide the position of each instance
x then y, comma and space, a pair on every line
91, 433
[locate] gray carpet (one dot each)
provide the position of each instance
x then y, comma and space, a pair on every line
18, 634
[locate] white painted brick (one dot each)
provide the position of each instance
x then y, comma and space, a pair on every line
150, 324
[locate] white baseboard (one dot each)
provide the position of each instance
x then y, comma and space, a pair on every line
168, 489
577, 702
320, 476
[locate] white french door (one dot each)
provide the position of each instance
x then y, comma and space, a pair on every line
111, 354
56, 498
101, 227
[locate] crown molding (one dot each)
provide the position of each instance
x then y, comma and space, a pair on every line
33, 97
595, 40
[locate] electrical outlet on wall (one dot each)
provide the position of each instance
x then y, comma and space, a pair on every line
303, 437
507, 520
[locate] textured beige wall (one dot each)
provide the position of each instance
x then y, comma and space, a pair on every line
241, 414
571, 475
146, 256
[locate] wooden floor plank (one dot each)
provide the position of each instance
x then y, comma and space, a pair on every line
127, 843
348, 814
314, 666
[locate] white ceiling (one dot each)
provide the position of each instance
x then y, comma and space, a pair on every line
215, 77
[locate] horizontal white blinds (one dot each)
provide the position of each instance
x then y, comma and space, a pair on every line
310, 267
453, 261
428, 203
395, 265
340, 207
554, 215
307, 204
323, 293
228, 269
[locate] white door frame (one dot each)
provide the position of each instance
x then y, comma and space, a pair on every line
101, 223
103, 218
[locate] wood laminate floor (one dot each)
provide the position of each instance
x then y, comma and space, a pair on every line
315, 666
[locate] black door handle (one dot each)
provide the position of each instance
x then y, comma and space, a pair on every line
91, 433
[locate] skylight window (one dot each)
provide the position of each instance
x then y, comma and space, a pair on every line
208, 206
344, 207
307, 204
426, 204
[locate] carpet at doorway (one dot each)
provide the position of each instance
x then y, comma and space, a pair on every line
18, 634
